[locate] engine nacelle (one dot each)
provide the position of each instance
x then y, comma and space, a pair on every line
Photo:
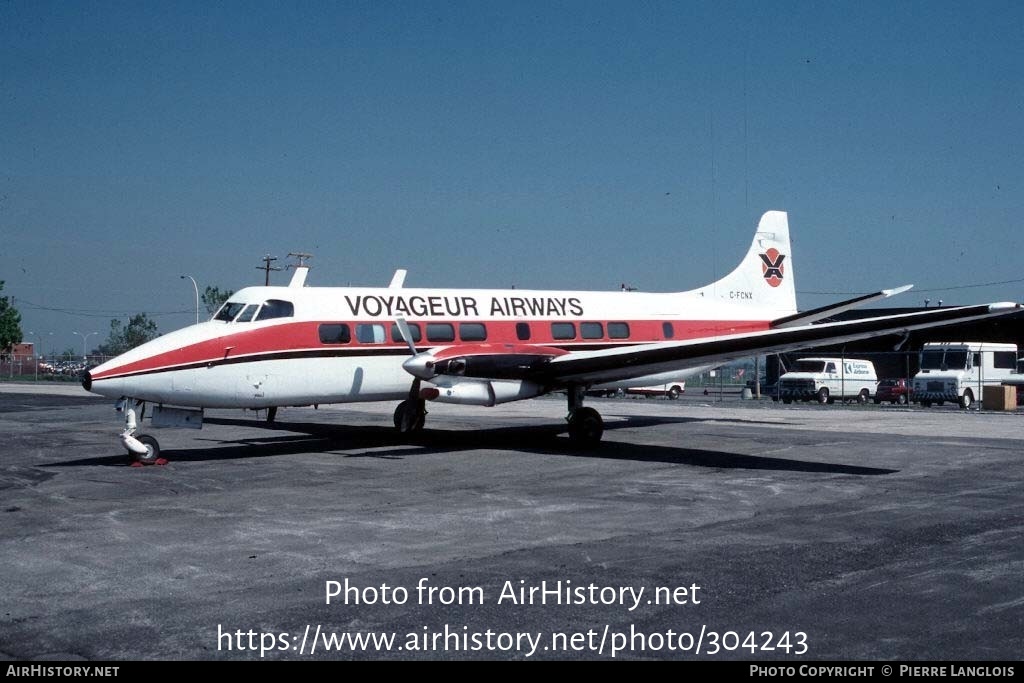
481, 392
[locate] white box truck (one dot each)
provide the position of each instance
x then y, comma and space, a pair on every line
826, 379
959, 371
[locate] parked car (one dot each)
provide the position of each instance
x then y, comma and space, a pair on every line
894, 391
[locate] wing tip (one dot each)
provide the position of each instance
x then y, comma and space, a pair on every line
1004, 306
896, 290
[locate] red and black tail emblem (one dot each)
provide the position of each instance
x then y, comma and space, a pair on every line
771, 266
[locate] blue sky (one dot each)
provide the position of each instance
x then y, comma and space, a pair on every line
563, 145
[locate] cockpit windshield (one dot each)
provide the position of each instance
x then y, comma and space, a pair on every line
247, 314
244, 313
943, 359
228, 311
276, 308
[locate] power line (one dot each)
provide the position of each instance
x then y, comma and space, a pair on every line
91, 313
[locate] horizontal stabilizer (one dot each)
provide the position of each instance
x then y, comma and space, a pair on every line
812, 316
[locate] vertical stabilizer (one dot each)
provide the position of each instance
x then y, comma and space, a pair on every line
764, 279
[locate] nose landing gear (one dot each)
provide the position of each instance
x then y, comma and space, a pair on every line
142, 449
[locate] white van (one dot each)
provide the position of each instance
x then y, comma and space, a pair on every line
826, 379
959, 371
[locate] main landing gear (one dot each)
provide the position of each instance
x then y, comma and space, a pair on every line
142, 449
585, 424
410, 415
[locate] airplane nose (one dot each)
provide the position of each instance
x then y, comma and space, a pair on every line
421, 365
87, 380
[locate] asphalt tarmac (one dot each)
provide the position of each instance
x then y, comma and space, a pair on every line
698, 530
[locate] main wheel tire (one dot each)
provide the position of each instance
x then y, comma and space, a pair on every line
152, 450
409, 419
901, 400
673, 393
863, 396
823, 395
966, 400
586, 428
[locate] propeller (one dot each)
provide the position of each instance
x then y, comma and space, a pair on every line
403, 329
420, 366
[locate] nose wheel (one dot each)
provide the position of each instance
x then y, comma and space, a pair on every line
142, 449
152, 454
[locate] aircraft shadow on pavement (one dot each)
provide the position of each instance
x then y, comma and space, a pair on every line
320, 438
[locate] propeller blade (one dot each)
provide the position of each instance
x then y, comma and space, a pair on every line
403, 328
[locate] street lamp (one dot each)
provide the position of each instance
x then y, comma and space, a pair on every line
84, 337
197, 294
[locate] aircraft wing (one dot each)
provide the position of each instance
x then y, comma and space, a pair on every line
591, 367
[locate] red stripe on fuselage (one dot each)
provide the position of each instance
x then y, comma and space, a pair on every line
304, 336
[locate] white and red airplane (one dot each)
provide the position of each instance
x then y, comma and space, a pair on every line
297, 345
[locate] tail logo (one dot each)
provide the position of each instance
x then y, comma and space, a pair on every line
771, 266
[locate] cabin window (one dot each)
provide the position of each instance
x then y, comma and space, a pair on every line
276, 308
563, 331
592, 330
1006, 360
618, 330
472, 332
440, 332
370, 333
523, 331
228, 311
414, 332
335, 333
247, 313
667, 330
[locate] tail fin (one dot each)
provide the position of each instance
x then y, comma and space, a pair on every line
764, 279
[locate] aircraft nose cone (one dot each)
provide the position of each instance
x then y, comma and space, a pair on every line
87, 380
421, 365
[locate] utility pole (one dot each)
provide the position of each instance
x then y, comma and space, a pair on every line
267, 267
